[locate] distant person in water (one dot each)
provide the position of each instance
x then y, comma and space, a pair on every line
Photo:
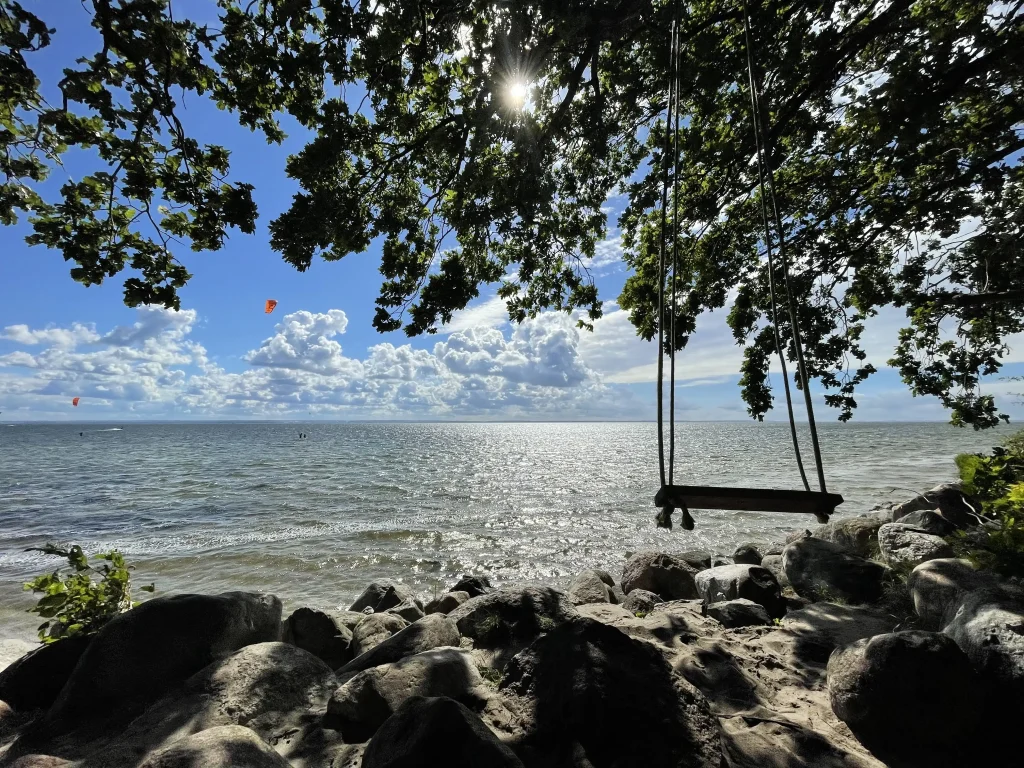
81, 434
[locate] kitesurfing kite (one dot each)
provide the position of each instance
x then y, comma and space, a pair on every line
271, 303
75, 400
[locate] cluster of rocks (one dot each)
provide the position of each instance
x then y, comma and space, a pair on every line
789, 655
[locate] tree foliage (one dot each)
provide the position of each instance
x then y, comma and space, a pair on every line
894, 132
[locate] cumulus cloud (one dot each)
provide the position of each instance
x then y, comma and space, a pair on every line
62, 338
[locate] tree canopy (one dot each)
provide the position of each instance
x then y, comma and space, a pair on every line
479, 142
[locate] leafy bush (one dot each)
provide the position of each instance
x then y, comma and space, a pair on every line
73, 603
997, 481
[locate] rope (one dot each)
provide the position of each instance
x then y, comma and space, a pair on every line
762, 131
676, 84
768, 248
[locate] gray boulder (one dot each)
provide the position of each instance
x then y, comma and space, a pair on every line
747, 554
718, 560
224, 746
321, 634
939, 587
667, 576
821, 570
929, 521
410, 610
738, 613
423, 732
431, 631
774, 564
591, 587
812, 633
956, 507
906, 546
989, 627
34, 680
641, 601
381, 595
348, 619
910, 697
587, 684
374, 630
858, 535
140, 655
473, 585
698, 559
360, 706
731, 582
446, 603
512, 616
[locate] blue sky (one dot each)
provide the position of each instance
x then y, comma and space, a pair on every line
317, 354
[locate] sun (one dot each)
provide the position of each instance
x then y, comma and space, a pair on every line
518, 92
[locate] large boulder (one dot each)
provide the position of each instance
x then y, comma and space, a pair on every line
738, 613
989, 627
321, 634
698, 559
929, 521
587, 683
509, 616
348, 619
360, 706
140, 655
910, 697
34, 680
907, 547
591, 587
446, 603
858, 535
224, 746
429, 732
641, 601
431, 631
374, 630
381, 595
747, 554
474, 586
956, 507
410, 610
731, 582
812, 633
939, 587
821, 570
667, 576
774, 564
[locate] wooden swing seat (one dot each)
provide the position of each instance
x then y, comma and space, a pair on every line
747, 499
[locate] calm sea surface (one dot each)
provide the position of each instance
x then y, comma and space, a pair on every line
212, 507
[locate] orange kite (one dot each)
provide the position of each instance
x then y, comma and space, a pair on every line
74, 402
271, 303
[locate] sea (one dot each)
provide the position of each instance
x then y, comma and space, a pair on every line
211, 507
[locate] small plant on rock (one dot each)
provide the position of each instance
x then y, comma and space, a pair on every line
73, 603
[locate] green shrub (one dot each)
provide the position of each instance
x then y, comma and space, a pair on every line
72, 602
997, 481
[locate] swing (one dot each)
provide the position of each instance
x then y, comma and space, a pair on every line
673, 497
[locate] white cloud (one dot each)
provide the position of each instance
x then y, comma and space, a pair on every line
490, 313
63, 338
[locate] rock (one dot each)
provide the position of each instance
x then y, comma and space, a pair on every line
474, 585
929, 521
39, 761
589, 684
381, 595
667, 576
141, 654
817, 630
12, 650
431, 631
620, 596
858, 535
939, 587
512, 615
906, 546
730, 582
738, 613
989, 627
447, 603
34, 680
698, 559
821, 570
910, 697
221, 747
410, 610
774, 564
423, 732
955, 506
374, 630
321, 634
747, 554
604, 612
590, 587
348, 619
360, 706
641, 601
718, 560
